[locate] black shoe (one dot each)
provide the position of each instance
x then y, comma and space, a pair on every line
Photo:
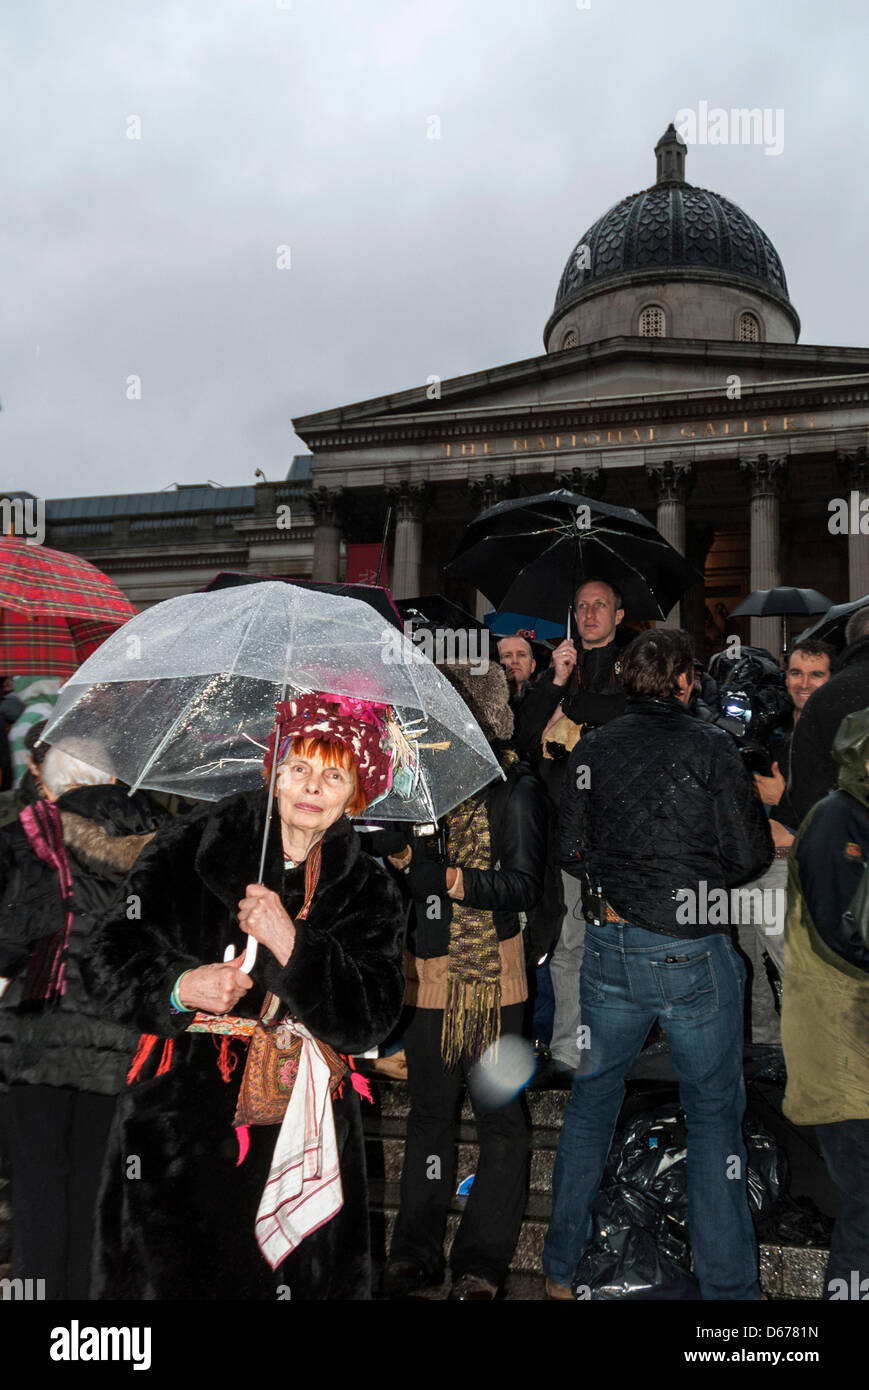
472, 1288
401, 1278
553, 1076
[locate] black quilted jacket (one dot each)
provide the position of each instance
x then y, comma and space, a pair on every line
666, 807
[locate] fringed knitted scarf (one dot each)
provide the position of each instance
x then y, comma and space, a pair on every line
472, 1016
46, 970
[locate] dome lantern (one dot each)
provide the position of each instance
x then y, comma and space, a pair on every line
670, 153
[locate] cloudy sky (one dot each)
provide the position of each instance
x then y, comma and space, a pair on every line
307, 124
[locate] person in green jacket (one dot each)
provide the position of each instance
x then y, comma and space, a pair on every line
825, 1004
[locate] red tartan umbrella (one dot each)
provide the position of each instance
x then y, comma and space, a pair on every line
55, 609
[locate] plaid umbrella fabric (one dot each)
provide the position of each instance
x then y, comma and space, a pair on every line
55, 609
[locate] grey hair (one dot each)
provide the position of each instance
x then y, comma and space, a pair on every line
61, 770
858, 626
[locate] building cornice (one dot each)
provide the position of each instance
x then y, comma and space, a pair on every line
784, 398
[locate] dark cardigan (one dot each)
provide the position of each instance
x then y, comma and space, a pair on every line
182, 1226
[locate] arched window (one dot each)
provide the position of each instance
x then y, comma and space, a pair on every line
652, 322
570, 339
749, 328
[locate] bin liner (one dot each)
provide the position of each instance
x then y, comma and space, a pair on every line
618, 1208
630, 1265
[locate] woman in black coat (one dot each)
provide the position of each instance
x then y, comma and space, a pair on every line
62, 1060
180, 1200
466, 983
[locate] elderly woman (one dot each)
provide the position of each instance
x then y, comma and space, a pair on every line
183, 1210
63, 1062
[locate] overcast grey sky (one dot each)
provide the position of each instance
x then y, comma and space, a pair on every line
306, 123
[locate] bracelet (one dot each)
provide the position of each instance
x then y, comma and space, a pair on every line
174, 1000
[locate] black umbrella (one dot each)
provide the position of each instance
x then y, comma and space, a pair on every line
831, 627
531, 554
774, 603
375, 595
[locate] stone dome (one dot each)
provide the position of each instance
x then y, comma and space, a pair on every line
673, 232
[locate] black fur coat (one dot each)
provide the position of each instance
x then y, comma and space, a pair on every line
176, 1212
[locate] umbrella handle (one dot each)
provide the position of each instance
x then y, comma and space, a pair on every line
249, 955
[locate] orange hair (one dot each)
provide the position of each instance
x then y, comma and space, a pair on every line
333, 754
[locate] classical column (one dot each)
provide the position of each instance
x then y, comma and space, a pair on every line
671, 483
410, 501
325, 503
588, 482
765, 478
854, 472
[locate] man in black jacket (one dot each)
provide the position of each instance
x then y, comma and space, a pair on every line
813, 772
585, 687
661, 822
582, 685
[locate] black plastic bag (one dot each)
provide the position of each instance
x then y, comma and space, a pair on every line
768, 1169
630, 1266
618, 1208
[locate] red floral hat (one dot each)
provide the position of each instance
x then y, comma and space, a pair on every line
361, 725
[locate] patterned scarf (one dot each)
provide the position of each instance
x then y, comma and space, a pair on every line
46, 971
472, 1016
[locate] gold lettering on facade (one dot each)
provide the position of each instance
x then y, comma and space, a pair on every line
709, 429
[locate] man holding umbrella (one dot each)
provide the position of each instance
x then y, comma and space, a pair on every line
585, 688
583, 685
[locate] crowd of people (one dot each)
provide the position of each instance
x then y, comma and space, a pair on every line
639, 866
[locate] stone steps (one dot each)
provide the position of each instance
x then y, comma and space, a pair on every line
786, 1272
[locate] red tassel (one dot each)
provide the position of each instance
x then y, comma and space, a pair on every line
143, 1052
362, 1085
227, 1061
166, 1057
242, 1134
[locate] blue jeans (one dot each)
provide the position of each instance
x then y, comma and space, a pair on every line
629, 978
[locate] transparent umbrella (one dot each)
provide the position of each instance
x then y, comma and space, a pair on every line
181, 699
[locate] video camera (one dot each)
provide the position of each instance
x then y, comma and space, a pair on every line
752, 702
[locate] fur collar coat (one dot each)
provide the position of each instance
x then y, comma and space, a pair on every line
177, 1213
70, 1041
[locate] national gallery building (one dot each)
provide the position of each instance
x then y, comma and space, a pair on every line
672, 381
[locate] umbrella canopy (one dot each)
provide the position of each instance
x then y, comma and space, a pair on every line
774, 603
831, 627
56, 608
531, 554
182, 700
